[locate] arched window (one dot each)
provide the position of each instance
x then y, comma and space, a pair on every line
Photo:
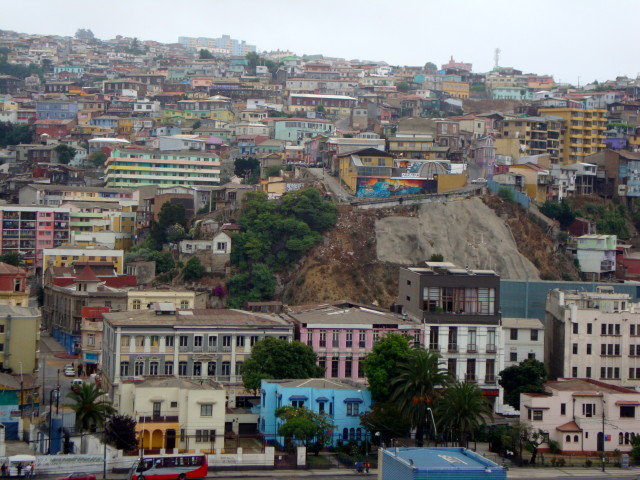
358, 434
153, 368
139, 368
620, 438
345, 434
136, 304
626, 438
575, 438
568, 439
352, 434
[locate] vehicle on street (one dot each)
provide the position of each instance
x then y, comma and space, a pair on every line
479, 181
76, 383
79, 476
169, 467
70, 372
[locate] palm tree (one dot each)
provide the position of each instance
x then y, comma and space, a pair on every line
416, 387
462, 408
90, 406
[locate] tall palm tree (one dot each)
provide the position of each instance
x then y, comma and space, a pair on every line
416, 386
90, 406
462, 408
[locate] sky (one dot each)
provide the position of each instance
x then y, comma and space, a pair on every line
575, 41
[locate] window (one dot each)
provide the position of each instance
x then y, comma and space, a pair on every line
206, 410
226, 369
353, 409
91, 339
136, 304
184, 340
256, 338
335, 363
184, 304
138, 368
323, 338
226, 341
362, 339
168, 368
589, 328
182, 368
240, 341
627, 411
534, 335
213, 341
197, 369
197, 341
588, 373
174, 404
335, 339
139, 340
589, 409
575, 328
531, 355
168, 341
239, 368
574, 372
513, 356
563, 409
537, 415
153, 368
513, 334
124, 369
452, 366
588, 349
211, 369
154, 340
574, 348
349, 339
348, 367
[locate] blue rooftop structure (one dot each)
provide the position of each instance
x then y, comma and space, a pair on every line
437, 463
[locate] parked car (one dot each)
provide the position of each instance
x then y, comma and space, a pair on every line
69, 372
79, 476
76, 383
479, 181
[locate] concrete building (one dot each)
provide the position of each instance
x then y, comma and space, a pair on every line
54, 195
343, 401
342, 334
67, 256
175, 414
19, 337
460, 312
28, 230
584, 415
593, 335
596, 255
522, 338
198, 344
13, 286
413, 463
183, 299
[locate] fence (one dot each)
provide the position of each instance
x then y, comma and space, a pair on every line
519, 197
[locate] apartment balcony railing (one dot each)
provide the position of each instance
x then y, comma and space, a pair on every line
491, 348
490, 379
470, 377
158, 419
453, 347
472, 348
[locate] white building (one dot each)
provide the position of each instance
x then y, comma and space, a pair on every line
580, 413
523, 338
220, 244
593, 335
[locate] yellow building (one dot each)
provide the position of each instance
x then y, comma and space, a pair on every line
19, 337
416, 147
531, 136
13, 286
536, 180
181, 299
582, 133
456, 89
451, 181
274, 187
66, 256
369, 162
125, 126
223, 115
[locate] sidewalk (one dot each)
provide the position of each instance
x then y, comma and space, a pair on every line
544, 472
52, 346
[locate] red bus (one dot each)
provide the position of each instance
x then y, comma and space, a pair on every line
169, 467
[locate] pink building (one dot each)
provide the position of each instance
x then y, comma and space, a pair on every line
28, 230
342, 334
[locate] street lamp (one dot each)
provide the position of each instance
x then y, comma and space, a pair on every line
435, 430
104, 441
57, 390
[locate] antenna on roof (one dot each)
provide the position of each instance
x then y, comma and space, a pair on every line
496, 57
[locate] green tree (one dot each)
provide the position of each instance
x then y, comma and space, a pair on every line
416, 386
164, 261
197, 124
120, 431
436, 257
12, 258
175, 233
256, 285
403, 86
273, 171
279, 359
244, 167
462, 409
65, 153
172, 213
253, 60
194, 269
381, 365
90, 407
205, 54
507, 194
526, 377
307, 205
97, 159
385, 418
320, 108
11, 134
431, 67
304, 425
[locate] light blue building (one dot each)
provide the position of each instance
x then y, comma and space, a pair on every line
511, 93
441, 463
299, 129
56, 110
343, 401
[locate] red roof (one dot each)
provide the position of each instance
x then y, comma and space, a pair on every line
569, 427
87, 275
7, 269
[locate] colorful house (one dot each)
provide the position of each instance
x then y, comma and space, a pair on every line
13, 285
342, 401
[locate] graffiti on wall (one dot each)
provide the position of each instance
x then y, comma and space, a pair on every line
387, 187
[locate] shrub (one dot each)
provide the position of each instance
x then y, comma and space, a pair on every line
506, 194
554, 447
588, 463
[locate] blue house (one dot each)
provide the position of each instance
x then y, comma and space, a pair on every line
440, 463
56, 110
343, 401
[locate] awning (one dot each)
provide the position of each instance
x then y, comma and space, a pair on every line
298, 397
322, 399
630, 403
353, 400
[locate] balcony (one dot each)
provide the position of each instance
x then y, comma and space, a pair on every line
491, 348
434, 346
472, 348
607, 265
453, 347
159, 419
490, 379
470, 377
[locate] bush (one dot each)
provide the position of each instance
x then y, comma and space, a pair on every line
506, 194
588, 463
554, 446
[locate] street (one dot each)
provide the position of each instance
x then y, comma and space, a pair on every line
51, 372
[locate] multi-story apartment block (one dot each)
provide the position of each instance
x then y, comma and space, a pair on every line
460, 311
183, 299
412, 146
54, 195
28, 230
596, 255
66, 256
583, 415
522, 338
342, 334
19, 337
583, 131
333, 104
56, 109
188, 343
593, 335
531, 136
299, 129
138, 167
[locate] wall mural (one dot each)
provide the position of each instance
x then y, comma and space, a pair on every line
387, 187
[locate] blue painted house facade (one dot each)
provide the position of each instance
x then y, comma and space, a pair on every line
56, 110
343, 401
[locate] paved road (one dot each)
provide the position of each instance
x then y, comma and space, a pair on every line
52, 369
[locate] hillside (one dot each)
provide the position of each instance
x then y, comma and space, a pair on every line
359, 258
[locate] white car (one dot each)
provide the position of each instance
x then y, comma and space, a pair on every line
69, 372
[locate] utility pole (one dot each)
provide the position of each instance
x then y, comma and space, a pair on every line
603, 437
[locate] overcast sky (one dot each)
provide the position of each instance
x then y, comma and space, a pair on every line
589, 39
